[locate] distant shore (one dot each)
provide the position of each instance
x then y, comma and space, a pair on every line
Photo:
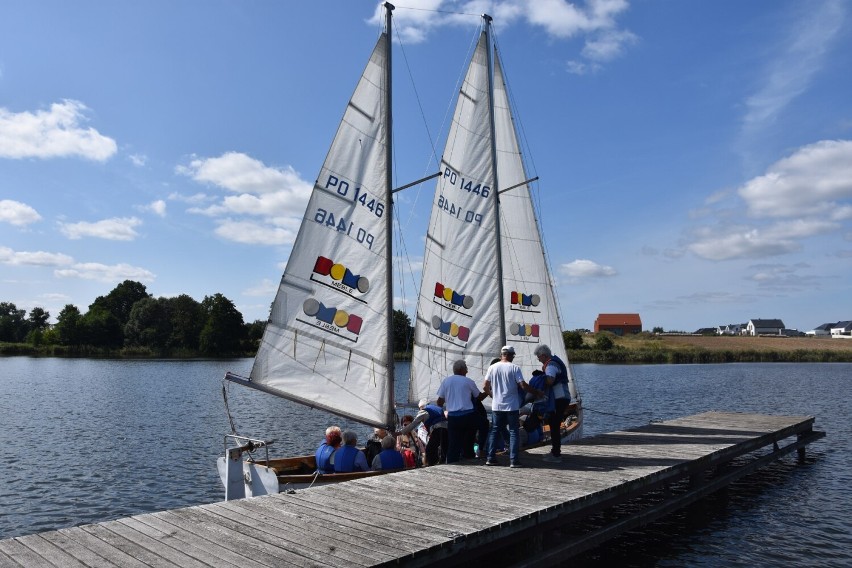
643, 348
691, 349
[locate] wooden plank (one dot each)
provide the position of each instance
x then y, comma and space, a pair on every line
20, 554
155, 550
75, 549
212, 552
113, 556
52, 554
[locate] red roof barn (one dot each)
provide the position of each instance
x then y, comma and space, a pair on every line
619, 324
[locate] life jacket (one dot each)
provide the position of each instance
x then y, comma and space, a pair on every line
561, 375
409, 458
548, 404
344, 459
436, 414
322, 456
391, 459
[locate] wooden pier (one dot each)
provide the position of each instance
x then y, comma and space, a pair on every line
450, 514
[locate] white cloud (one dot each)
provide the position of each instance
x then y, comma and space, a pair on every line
265, 289
56, 133
253, 233
38, 258
810, 181
582, 268
138, 160
115, 229
17, 213
157, 207
800, 58
105, 273
560, 19
269, 204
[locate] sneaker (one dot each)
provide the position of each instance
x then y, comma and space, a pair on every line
550, 458
516, 464
489, 462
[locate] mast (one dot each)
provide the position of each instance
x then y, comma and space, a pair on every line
490, 65
389, 200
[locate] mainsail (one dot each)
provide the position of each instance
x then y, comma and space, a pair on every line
326, 344
485, 281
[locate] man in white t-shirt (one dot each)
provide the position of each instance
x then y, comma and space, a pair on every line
501, 383
458, 392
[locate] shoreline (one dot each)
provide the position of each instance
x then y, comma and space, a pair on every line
646, 348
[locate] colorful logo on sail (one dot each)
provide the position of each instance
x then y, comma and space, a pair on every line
527, 332
525, 302
452, 299
450, 331
330, 319
339, 277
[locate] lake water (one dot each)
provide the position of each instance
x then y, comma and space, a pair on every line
85, 441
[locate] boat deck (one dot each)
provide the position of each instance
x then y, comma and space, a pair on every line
449, 514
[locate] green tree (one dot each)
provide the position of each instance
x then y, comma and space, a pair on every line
403, 333
223, 330
254, 333
120, 300
149, 324
657, 329
187, 319
101, 328
573, 339
603, 341
68, 325
13, 326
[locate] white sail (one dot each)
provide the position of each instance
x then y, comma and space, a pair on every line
326, 342
463, 311
458, 311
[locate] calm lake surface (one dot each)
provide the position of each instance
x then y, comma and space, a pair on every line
85, 441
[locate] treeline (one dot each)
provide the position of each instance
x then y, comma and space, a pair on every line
130, 321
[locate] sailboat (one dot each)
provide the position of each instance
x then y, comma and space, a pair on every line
485, 280
328, 341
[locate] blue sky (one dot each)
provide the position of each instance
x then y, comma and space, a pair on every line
695, 157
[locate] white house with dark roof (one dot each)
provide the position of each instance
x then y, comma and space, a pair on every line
823, 330
842, 329
764, 327
731, 329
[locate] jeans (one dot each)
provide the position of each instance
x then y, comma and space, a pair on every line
499, 420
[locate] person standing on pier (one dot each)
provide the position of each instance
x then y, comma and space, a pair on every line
557, 380
501, 383
432, 417
458, 391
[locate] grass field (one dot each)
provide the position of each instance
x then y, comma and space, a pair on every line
648, 348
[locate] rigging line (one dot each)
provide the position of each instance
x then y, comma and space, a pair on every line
478, 14
227, 408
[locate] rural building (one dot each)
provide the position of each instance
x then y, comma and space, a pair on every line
619, 324
731, 329
764, 327
842, 329
823, 330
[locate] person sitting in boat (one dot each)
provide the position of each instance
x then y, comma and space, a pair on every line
410, 445
432, 416
348, 458
333, 437
388, 458
374, 444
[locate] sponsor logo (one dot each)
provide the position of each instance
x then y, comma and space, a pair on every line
450, 331
525, 332
339, 277
452, 299
331, 320
525, 302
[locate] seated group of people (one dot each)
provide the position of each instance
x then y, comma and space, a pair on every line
338, 453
